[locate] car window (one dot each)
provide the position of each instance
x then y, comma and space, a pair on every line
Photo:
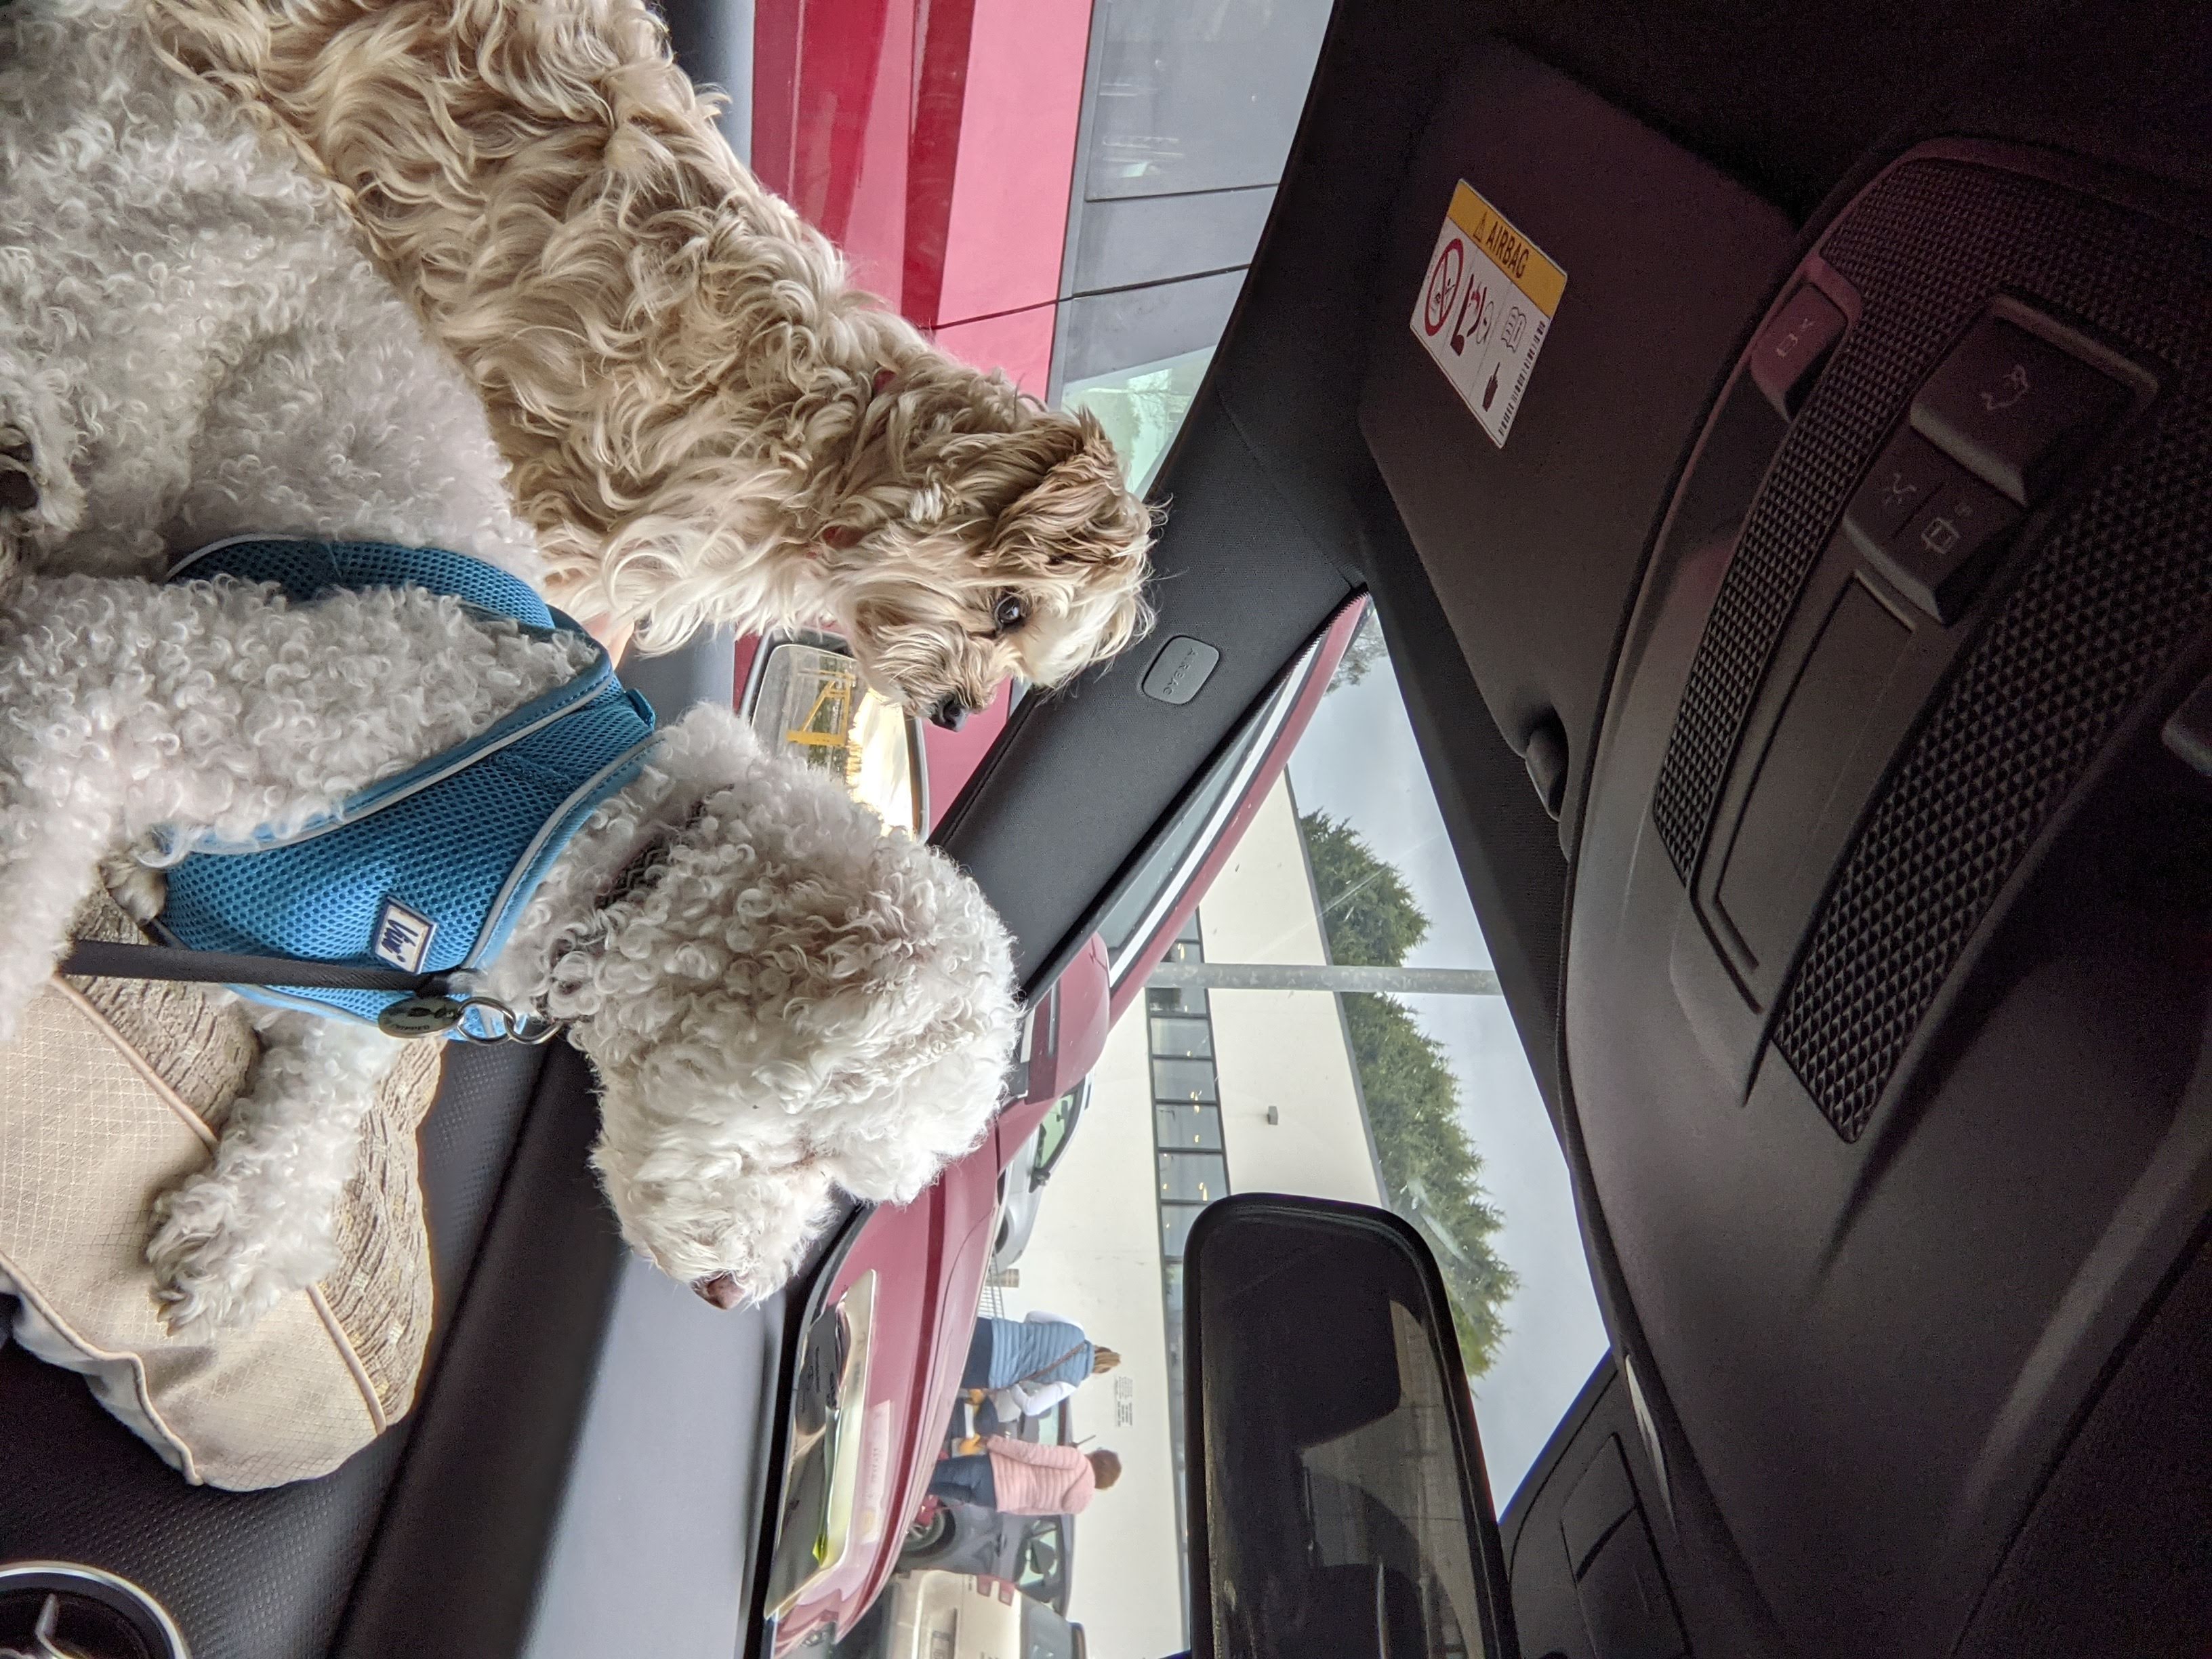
1038, 1571
808, 702
1052, 1134
1189, 113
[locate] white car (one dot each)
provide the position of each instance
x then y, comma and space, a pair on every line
960, 1615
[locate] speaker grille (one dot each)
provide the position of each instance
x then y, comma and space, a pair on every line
1925, 250
2110, 595
2125, 582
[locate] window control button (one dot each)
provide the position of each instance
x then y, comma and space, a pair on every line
2016, 409
1787, 358
1897, 486
1937, 559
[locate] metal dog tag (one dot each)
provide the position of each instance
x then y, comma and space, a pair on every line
418, 1017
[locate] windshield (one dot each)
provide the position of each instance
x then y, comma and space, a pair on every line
1248, 1064
1327, 1020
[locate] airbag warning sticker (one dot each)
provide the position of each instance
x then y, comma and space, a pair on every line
1485, 308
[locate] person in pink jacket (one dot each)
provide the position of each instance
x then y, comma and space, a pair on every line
1018, 1477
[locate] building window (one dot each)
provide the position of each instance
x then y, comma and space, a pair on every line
1166, 1002
1183, 1039
1177, 1128
1175, 1221
1193, 1177
1183, 1080
1188, 1145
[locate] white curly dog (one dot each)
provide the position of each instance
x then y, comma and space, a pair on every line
193, 345
788, 999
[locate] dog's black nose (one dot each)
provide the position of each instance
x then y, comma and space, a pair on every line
951, 713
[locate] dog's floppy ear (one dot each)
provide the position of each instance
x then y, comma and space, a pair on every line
1076, 537
1074, 511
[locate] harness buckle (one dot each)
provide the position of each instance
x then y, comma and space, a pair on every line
435, 1014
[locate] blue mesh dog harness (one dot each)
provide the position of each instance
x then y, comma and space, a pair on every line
427, 871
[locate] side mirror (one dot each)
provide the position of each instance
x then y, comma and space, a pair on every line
1337, 1502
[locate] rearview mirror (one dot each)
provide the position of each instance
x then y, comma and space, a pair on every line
1338, 1507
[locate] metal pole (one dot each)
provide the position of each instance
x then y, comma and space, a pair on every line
1301, 976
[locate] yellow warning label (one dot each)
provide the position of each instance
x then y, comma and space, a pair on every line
1513, 253
1485, 309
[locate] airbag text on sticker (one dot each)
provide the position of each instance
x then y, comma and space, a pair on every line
1487, 302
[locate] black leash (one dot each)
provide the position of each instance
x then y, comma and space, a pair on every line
114, 959
428, 1009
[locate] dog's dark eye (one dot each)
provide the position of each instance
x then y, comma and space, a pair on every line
1010, 613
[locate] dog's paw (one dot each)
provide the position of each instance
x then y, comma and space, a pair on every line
139, 891
212, 1272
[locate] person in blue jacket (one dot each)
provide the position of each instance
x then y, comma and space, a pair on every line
1025, 1367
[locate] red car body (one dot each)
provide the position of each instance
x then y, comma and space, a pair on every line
934, 141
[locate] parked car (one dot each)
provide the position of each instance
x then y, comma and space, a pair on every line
1036, 1552
1022, 1182
962, 1615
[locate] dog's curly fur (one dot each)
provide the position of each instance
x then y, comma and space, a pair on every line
795, 999
191, 345
192, 342
707, 423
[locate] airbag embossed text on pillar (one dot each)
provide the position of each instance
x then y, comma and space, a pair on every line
1182, 666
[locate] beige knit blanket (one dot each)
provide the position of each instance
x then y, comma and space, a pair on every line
115, 1089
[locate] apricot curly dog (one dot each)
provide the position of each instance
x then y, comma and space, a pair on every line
705, 422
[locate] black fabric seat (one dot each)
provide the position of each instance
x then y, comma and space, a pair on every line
525, 1254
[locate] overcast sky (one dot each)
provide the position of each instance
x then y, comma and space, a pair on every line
1358, 761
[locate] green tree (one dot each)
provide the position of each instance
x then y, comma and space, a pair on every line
1361, 656
1370, 916
1431, 1173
